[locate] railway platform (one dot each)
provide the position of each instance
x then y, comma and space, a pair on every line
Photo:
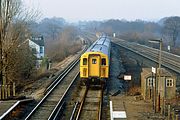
129, 108
11, 108
5, 106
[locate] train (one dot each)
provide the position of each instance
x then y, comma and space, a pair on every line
94, 63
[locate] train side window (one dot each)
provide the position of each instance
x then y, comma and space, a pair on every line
93, 61
103, 61
84, 61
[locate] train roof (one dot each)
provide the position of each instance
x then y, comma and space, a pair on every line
101, 45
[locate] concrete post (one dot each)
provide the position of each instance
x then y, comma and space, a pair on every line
173, 115
14, 89
5, 89
169, 112
177, 116
0, 92
111, 110
162, 106
9, 90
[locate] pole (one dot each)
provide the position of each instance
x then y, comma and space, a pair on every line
169, 112
155, 93
0, 91
177, 116
159, 72
153, 86
14, 89
1, 62
160, 52
159, 69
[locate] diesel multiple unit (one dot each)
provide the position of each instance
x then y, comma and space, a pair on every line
94, 63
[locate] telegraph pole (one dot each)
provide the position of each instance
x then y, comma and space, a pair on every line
157, 93
1, 61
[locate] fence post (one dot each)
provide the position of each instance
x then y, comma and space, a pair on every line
173, 115
5, 89
14, 89
169, 112
9, 93
0, 92
177, 116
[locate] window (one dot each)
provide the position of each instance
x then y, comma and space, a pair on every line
169, 82
93, 61
151, 82
34, 50
84, 61
103, 61
41, 49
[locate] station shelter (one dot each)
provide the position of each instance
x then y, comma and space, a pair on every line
165, 86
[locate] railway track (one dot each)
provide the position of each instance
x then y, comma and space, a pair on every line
90, 105
54, 96
53, 101
46, 109
169, 60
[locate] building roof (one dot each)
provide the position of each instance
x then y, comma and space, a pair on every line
148, 71
39, 40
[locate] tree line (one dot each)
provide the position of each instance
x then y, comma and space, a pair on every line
167, 28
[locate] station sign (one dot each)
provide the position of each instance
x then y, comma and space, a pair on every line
127, 77
153, 70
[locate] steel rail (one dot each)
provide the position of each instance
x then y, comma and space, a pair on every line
50, 91
97, 107
69, 67
12, 108
165, 61
100, 105
56, 110
54, 84
82, 103
74, 110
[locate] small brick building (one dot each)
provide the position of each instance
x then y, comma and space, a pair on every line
166, 84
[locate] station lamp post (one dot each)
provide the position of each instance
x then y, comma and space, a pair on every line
157, 41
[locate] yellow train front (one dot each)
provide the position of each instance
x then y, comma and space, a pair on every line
94, 63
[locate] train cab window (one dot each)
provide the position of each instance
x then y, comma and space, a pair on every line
84, 61
103, 61
93, 61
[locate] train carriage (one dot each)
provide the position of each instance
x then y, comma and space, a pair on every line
94, 63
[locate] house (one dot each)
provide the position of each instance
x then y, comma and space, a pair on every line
36, 43
166, 86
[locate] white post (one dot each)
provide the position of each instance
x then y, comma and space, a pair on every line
111, 110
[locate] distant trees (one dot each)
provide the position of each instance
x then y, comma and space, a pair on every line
171, 29
135, 31
66, 44
48, 27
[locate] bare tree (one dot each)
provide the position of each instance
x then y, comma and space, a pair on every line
13, 35
8, 9
172, 28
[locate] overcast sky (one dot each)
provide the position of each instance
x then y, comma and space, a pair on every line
74, 10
